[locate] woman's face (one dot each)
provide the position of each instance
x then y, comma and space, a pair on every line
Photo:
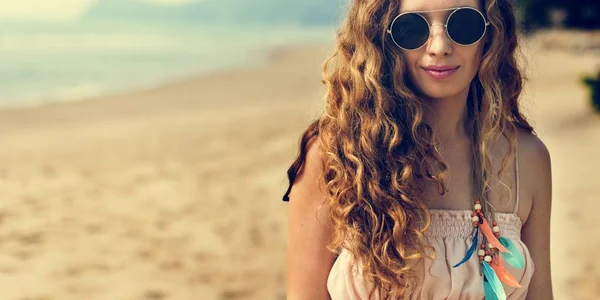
440, 50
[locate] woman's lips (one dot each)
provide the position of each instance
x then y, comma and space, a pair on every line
440, 74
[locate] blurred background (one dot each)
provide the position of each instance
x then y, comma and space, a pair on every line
145, 143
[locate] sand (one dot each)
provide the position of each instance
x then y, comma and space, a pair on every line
175, 192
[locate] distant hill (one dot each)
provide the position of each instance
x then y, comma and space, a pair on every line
221, 11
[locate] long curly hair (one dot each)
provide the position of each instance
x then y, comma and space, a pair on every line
375, 144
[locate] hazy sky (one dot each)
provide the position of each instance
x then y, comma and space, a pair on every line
55, 10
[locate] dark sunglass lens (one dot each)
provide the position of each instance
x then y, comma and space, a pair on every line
466, 26
410, 31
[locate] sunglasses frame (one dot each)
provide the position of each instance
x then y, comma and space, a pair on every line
455, 9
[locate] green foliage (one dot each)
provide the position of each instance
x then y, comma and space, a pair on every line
594, 85
535, 14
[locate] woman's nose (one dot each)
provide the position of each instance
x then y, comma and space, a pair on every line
439, 44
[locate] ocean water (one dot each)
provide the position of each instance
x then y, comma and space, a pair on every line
41, 63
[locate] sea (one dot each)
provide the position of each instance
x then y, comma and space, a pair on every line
48, 63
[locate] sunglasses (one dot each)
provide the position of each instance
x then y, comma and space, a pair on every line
464, 26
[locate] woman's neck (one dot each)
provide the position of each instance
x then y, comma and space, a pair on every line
448, 117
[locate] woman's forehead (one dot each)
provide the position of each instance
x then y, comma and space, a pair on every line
426, 5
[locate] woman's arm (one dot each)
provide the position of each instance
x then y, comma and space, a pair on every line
308, 260
536, 231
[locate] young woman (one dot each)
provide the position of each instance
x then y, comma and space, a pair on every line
422, 179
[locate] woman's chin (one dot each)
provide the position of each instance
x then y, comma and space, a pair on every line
437, 93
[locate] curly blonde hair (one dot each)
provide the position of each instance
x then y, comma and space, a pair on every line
375, 144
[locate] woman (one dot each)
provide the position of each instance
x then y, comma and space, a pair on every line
422, 179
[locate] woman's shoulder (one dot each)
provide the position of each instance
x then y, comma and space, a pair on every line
535, 163
533, 152
307, 184
314, 153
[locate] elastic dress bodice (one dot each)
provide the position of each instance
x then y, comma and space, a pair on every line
450, 234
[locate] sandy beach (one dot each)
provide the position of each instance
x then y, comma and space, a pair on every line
175, 192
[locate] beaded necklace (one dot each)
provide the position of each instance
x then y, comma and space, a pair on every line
490, 258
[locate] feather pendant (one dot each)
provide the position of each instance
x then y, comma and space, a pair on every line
495, 284
487, 231
489, 292
502, 274
514, 257
471, 249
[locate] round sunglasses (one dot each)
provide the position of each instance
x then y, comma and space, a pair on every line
464, 26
